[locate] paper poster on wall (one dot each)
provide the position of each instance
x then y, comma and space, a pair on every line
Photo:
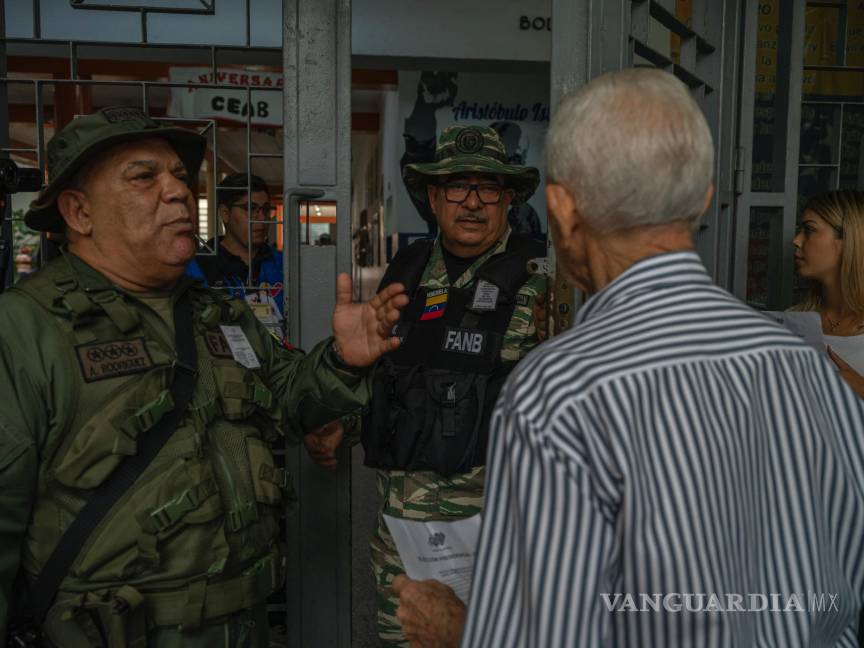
516, 106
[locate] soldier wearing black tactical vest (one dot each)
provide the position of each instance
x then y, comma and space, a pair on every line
139, 496
468, 323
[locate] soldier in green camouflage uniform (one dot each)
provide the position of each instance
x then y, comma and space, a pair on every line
426, 495
473, 225
189, 553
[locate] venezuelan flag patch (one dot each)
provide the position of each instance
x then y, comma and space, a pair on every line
436, 302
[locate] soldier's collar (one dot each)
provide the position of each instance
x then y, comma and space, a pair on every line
91, 280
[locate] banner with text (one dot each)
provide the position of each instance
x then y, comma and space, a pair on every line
227, 103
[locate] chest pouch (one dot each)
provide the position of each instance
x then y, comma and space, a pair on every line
97, 448
430, 421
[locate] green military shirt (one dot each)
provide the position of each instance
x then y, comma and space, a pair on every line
84, 369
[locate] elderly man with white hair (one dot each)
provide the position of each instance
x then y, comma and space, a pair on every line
675, 470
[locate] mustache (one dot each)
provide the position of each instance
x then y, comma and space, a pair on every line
474, 218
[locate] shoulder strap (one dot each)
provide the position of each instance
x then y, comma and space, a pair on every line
113, 488
407, 266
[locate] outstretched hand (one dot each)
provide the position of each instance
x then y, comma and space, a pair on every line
362, 330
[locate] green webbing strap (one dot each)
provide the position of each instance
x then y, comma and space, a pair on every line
150, 414
77, 303
189, 500
103, 498
242, 516
220, 598
193, 610
118, 311
252, 392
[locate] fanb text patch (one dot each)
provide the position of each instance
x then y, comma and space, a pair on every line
111, 359
217, 344
464, 341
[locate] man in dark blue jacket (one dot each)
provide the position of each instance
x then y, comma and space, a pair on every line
244, 262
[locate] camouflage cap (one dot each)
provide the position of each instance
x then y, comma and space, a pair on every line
87, 136
471, 149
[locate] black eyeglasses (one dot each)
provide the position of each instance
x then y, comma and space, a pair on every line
266, 210
489, 193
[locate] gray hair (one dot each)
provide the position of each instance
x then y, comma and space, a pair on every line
633, 148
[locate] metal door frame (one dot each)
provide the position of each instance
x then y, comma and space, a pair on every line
790, 66
317, 109
592, 37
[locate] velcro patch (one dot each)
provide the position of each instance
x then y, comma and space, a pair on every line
464, 341
523, 300
217, 344
115, 115
112, 359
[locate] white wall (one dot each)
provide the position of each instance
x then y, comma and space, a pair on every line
481, 29
226, 27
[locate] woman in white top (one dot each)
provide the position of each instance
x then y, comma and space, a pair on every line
829, 254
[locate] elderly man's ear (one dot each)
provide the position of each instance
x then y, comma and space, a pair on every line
75, 208
709, 194
562, 208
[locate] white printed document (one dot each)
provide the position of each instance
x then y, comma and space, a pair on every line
805, 324
444, 551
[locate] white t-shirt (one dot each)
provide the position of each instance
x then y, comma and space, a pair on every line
850, 348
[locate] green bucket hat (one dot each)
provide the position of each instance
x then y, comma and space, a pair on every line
89, 135
471, 149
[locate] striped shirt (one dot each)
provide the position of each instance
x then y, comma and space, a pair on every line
673, 445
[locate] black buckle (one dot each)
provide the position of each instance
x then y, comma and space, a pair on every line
191, 372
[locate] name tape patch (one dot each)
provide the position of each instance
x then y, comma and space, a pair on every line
464, 341
122, 114
112, 359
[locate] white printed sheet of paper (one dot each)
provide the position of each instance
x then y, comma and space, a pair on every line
240, 347
805, 324
444, 551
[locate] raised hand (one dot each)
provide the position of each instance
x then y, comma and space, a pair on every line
362, 331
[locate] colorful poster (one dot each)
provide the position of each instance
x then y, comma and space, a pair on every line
516, 106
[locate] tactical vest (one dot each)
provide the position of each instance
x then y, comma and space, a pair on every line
433, 396
195, 538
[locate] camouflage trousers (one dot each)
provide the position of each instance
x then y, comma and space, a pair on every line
414, 495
